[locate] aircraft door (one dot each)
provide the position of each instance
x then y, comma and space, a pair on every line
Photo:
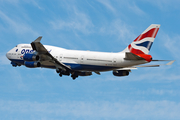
114, 62
82, 59
60, 57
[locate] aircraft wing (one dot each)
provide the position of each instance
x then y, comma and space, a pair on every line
46, 56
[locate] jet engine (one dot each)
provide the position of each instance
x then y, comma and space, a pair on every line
32, 64
121, 73
31, 57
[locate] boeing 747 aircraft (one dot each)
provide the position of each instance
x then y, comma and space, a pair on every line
83, 63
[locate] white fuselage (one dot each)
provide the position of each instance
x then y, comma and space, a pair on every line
76, 59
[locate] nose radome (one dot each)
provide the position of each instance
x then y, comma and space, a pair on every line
7, 55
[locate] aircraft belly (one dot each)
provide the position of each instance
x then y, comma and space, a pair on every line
85, 67
18, 61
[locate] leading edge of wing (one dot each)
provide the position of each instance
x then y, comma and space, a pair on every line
41, 50
131, 56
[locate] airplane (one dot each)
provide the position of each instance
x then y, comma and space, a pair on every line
83, 63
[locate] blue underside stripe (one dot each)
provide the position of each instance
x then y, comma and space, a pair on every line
18, 61
74, 66
89, 67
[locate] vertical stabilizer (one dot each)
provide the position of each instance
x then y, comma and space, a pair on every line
142, 44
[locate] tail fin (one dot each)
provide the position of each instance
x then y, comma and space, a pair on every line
142, 44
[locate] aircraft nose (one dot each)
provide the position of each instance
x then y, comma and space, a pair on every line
7, 55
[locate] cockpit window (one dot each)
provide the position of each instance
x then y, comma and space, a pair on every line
16, 50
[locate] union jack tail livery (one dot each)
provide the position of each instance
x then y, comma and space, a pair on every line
142, 44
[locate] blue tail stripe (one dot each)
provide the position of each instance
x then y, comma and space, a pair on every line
146, 44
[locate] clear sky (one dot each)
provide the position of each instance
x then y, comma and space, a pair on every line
96, 25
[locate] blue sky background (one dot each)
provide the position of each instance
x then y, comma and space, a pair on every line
96, 25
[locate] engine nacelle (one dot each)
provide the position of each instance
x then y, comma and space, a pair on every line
32, 64
121, 73
85, 73
31, 57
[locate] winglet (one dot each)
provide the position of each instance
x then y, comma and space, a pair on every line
38, 39
170, 63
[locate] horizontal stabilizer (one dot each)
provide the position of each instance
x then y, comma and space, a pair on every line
148, 66
135, 67
131, 56
161, 60
170, 63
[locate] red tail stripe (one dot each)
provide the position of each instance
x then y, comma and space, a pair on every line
135, 51
150, 33
148, 58
139, 53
